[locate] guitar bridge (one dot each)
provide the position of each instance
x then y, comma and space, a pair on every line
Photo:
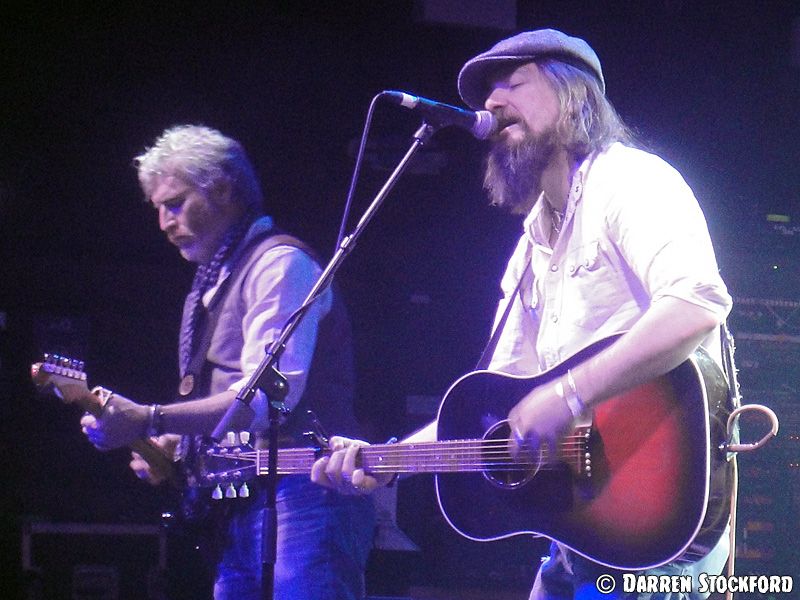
583, 458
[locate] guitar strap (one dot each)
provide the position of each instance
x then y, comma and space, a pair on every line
735, 399
729, 366
491, 346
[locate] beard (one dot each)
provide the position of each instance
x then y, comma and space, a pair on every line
513, 174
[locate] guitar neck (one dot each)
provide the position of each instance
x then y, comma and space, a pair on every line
62, 378
451, 456
157, 459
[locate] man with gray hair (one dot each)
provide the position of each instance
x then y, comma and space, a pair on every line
613, 241
250, 278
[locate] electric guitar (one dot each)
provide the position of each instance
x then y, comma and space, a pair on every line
66, 379
645, 483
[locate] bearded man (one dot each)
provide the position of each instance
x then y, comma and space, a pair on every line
613, 241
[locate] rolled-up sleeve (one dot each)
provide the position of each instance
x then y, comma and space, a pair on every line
657, 224
276, 286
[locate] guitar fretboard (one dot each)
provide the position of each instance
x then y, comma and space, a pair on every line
451, 456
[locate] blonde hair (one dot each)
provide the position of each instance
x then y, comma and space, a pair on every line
588, 121
202, 157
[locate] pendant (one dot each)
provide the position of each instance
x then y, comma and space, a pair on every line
187, 385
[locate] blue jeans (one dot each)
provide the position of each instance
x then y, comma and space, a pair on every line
324, 540
565, 575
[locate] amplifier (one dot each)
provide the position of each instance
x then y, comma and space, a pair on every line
94, 561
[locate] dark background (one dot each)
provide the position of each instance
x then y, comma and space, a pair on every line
712, 87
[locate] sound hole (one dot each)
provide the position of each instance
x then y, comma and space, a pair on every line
504, 470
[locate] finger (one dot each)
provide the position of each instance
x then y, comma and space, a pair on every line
337, 443
169, 442
88, 420
318, 472
516, 439
349, 461
334, 468
140, 468
363, 482
524, 445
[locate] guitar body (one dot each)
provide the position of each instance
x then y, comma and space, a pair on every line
648, 485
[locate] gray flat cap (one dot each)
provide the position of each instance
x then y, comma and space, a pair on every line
473, 80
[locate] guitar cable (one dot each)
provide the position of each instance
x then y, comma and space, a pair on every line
733, 446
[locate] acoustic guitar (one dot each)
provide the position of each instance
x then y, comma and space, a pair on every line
645, 483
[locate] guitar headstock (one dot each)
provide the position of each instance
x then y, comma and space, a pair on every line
225, 466
63, 377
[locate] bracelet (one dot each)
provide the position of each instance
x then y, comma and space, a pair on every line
574, 401
155, 421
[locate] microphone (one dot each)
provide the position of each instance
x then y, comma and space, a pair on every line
480, 124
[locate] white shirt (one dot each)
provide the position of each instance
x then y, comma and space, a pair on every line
633, 233
278, 282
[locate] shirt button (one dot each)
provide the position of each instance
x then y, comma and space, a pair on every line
554, 318
571, 269
554, 268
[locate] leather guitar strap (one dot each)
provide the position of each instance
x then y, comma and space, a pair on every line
491, 346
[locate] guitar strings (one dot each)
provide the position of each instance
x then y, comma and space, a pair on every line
441, 456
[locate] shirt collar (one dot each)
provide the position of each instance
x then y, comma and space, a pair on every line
534, 225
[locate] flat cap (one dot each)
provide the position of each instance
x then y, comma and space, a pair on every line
473, 80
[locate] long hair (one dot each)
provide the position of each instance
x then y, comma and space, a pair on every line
203, 158
588, 122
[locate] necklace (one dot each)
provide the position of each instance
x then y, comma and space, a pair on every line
557, 219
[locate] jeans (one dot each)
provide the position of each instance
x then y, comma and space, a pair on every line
565, 575
324, 540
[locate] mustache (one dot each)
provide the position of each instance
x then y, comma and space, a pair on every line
504, 119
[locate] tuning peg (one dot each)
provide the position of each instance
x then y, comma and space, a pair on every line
244, 436
244, 491
217, 493
230, 491
230, 437
63, 365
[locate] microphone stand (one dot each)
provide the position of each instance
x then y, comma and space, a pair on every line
273, 383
